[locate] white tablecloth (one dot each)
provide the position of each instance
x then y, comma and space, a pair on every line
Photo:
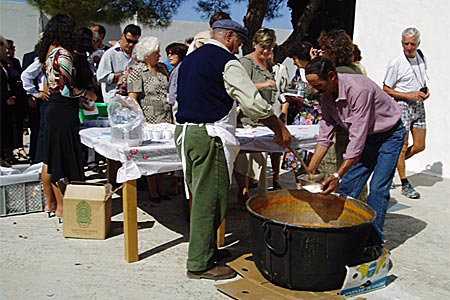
160, 156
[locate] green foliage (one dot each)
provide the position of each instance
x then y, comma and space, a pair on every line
154, 13
207, 8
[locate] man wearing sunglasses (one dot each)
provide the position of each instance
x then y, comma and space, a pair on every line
116, 61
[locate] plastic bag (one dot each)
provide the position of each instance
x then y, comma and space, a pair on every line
127, 121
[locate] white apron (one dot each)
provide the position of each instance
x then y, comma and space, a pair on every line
225, 129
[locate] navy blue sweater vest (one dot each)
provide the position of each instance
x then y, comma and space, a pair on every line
201, 93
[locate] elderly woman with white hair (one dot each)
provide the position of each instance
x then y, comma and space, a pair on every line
148, 83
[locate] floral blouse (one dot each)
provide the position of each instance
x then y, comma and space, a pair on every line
59, 71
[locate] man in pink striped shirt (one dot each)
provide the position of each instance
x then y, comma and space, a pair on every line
376, 135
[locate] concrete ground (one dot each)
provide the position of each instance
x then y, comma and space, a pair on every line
37, 262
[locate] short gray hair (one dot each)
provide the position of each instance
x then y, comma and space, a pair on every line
146, 46
410, 32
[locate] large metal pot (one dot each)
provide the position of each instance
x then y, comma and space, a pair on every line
303, 241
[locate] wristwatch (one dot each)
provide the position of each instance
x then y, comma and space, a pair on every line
336, 175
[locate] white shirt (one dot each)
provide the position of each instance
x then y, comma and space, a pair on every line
114, 60
406, 75
32, 72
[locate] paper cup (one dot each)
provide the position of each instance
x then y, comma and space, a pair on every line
157, 134
167, 134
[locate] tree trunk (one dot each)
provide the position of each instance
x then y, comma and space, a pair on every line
253, 21
299, 32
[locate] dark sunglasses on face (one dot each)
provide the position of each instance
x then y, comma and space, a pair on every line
133, 42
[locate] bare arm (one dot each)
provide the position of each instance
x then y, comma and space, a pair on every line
134, 95
319, 154
282, 135
331, 183
284, 112
412, 96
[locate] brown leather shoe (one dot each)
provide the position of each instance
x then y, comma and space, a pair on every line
215, 273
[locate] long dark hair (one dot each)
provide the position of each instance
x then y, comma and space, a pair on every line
337, 45
60, 31
84, 40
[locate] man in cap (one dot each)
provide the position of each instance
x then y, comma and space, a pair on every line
210, 82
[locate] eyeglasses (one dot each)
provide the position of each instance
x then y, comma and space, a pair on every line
133, 42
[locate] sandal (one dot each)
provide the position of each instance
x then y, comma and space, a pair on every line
15, 155
50, 213
22, 153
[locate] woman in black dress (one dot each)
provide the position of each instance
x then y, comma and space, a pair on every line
61, 151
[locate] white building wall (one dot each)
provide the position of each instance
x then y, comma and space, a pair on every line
20, 22
378, 27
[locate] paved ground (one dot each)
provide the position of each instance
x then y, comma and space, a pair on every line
38, 263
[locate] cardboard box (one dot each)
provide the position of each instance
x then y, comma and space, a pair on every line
367, 277
253, 286
87, 211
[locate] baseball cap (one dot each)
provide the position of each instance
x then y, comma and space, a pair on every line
231, 25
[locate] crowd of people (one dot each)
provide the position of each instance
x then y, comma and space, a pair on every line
208, 92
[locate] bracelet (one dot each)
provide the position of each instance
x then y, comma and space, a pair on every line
336, 175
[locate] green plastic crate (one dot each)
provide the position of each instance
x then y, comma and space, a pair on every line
102, 112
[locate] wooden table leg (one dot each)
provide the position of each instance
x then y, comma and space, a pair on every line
130, 228
111, 171
221, 233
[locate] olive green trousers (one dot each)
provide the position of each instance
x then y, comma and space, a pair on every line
207, 177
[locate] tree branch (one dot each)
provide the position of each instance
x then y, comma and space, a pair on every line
299, 31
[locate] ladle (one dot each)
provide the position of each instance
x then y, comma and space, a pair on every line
313, 177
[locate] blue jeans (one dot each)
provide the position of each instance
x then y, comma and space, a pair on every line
380, 156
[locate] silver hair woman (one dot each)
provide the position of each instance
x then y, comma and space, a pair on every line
148, 84
146, 46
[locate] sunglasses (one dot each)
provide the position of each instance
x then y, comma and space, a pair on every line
133, 42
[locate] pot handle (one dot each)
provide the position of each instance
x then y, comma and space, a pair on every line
267, 232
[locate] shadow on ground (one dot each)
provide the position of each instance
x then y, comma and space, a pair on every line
400, 228
424, 179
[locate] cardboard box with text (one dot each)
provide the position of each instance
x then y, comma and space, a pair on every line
87, 211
